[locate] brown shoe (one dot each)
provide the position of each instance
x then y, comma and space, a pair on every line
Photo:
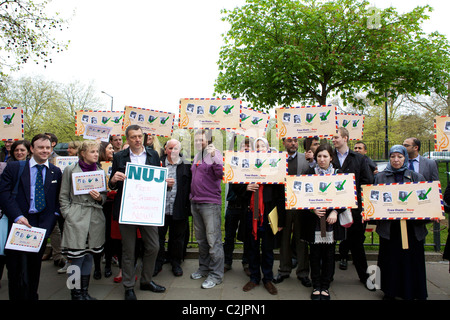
249, 286
270, 287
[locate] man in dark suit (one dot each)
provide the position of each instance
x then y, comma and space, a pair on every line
136, 153
27, 208
427, 167
290, 235
348, 161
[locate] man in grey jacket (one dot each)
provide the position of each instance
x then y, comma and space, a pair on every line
427, 167
290, 235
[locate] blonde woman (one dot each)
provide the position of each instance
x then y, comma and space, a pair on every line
84, 225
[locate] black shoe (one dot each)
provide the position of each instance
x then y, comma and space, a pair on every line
152, 286
177, 271
97, 274
108, 272
315, 295
343, 264
325, 295
305, 281
130, 295
279, 278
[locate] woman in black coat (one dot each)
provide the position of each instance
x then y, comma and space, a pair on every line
402, 271
322, 248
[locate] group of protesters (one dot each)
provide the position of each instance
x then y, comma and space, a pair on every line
34, 192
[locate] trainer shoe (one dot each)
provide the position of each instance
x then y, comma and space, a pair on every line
198, 275
210, 283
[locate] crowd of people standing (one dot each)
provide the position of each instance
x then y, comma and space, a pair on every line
84, 229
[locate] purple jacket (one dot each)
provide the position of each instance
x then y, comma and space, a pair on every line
207, 174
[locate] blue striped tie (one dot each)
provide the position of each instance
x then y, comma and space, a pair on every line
39, 196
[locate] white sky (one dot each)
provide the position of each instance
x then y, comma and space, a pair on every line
151, 53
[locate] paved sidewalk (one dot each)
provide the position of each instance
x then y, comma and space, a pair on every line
344, 287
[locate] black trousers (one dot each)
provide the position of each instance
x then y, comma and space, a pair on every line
175, 248
354, 243
321, 258
24, 270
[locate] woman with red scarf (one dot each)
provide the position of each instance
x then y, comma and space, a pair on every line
258, 231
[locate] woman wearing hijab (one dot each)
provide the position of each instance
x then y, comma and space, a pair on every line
402, 271
258, 233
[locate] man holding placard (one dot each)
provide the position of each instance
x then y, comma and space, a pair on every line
34, 203
136, 153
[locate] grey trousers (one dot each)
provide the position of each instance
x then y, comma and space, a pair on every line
291, 229
207, 227
150, 241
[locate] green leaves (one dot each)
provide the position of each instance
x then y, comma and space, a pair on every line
281, 52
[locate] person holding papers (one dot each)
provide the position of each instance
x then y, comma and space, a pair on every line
35, 204
138, 154
84, 221
261, 200
402, 271
321, 230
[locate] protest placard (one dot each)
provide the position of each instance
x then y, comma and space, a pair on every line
210, 113
11, 127
306, 121
354, 123
110, 119
330, 191
153, 122
23, 238
144, 195
254, 167
409, 200
84, 182
442, 133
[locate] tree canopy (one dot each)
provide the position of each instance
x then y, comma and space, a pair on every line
27, 33
280, 52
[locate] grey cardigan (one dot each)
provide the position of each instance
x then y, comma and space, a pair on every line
384, 226
84, 218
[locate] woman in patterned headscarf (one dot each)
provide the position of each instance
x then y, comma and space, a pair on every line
402, 271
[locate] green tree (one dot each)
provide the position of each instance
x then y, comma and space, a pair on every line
27, 33
48, 106
279, 52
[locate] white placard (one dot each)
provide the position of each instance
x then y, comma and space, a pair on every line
144, 195
94, 132
84, 182
22, 238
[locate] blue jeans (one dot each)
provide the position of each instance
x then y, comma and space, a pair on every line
207, 227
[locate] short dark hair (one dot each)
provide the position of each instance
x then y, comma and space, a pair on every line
53, 137
360, 142
308, 142
416, 142
323, 147
132, 127
39, 137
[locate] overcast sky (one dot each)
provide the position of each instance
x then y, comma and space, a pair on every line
149, 54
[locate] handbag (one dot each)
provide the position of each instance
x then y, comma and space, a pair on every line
346, 218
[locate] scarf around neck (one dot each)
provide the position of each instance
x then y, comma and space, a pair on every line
319, 170
87, 167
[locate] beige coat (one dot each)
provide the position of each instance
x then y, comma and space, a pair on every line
84, 218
